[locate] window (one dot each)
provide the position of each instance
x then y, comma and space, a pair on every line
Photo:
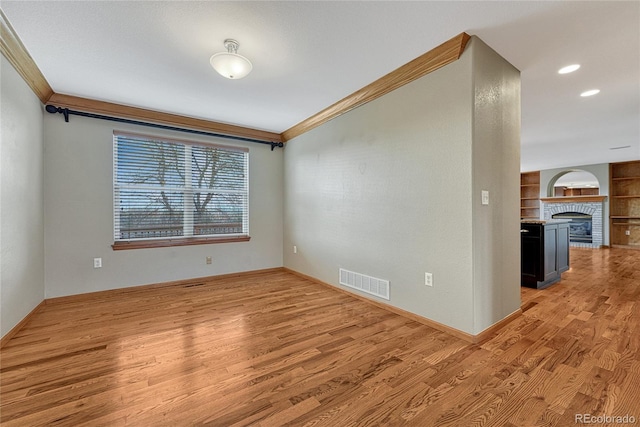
168, 192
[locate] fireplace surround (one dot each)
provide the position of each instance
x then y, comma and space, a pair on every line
587, 205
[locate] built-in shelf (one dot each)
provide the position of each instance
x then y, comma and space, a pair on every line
530, 195
625, 204
570, 192
623, 178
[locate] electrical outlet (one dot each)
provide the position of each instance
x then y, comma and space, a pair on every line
97, 262
208, 260
295, 249
627, 232
428, 279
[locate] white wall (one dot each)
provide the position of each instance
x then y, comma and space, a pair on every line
388, 190
79, 215
600, 171
21, 199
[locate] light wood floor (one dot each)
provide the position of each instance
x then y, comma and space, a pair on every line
275, 350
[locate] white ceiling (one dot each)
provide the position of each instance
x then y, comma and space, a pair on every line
309, 54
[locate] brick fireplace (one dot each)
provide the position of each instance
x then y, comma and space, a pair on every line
588, 205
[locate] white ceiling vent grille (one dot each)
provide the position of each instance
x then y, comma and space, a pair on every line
368, 284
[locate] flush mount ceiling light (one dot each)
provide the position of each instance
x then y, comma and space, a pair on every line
590, 92
229, 64
568, 69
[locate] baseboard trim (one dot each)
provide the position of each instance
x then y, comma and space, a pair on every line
5, 339
120, 291
474, 339
487, 333
138, 288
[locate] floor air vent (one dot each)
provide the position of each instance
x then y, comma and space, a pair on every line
368, 284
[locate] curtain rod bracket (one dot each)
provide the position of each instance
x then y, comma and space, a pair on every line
66, 112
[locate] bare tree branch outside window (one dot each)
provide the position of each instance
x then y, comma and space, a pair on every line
152, 179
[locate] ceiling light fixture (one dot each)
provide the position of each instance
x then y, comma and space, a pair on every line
568, 69
229, 64
590, 92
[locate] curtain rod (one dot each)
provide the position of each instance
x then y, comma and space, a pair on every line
66, 112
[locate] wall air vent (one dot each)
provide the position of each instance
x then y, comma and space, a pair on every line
368, 284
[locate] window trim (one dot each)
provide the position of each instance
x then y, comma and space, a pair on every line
185, 240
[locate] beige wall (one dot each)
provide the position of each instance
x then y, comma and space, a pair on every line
21, 199
79, 215
391, 190
496, 168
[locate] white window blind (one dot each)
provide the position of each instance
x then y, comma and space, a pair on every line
167, 189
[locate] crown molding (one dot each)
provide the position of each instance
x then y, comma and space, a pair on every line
118, 110
438, 57
15, 52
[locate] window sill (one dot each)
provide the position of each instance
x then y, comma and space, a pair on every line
187, 241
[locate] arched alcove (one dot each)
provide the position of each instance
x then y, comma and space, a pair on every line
573, 182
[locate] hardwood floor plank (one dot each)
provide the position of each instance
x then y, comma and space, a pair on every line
276, 349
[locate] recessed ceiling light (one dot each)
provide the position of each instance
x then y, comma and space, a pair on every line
568, 69
590, 92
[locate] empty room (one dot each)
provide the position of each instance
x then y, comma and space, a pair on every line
358, 213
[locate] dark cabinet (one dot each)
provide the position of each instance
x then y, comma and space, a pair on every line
544, 252
562, 248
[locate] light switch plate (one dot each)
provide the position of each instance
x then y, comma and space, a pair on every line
485, 197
